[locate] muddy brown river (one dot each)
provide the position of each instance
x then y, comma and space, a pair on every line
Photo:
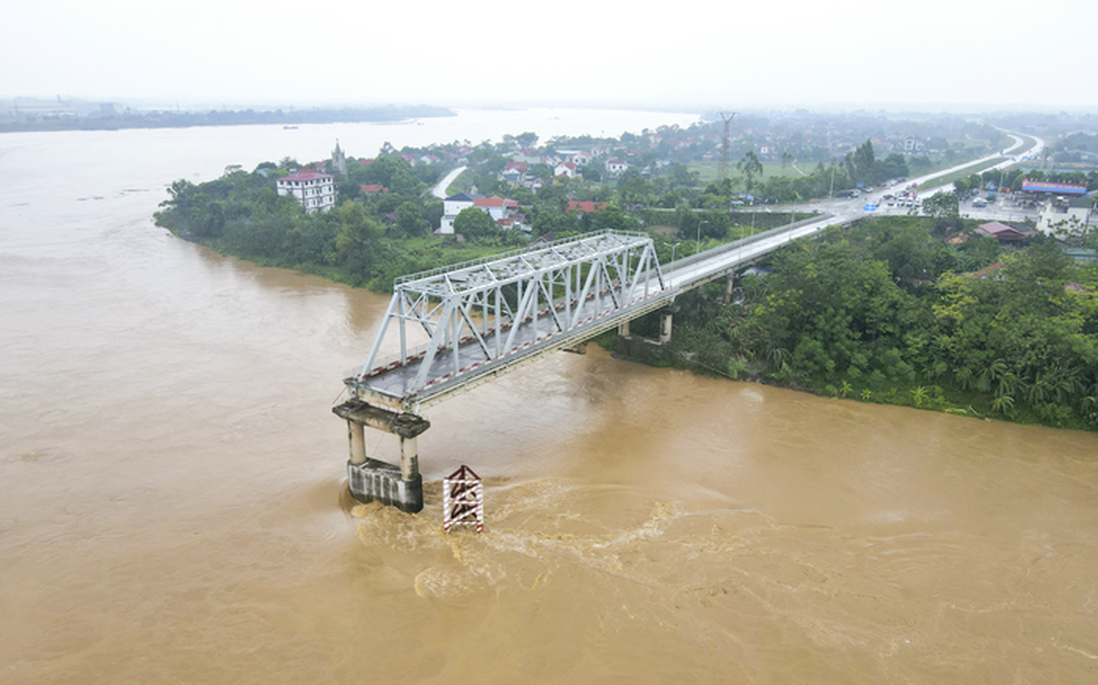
174, 506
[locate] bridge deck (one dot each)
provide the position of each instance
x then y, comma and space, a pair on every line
447, 371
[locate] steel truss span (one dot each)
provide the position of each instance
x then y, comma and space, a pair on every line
482, 317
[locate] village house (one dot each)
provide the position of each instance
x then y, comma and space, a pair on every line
1001, 232
616, 166
497, 207
503, 211
566, 169
372, 189
451, 207
581, 207
577, 157
315, 191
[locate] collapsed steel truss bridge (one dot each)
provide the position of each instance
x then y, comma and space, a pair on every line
484, 316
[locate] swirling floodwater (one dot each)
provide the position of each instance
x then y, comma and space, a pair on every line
174, 505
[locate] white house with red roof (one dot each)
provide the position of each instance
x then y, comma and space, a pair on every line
503, 211
452, 206
577, 157
565, 169
616, 166
497, 207
315, 191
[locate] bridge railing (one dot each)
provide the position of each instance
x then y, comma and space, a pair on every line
737, 244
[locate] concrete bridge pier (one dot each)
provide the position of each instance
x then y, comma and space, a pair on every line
666, 315
638, 347
373, 480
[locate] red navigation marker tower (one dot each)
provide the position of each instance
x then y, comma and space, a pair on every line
463, 499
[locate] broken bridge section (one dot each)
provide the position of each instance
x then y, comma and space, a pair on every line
482, 317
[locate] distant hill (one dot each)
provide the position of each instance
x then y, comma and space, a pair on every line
108, 119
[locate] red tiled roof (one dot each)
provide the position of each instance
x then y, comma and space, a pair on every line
988, 269
494, 201
305, 175
1000, 231
585, 206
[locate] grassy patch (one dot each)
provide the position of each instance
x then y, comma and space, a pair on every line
707, 170
962, 173
462, 184
607, 341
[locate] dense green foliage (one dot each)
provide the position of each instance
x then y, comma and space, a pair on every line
366, 240
884, 312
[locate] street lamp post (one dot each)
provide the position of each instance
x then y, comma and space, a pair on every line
673, 246
698, 248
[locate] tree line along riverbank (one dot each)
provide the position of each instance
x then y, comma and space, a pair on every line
904, 310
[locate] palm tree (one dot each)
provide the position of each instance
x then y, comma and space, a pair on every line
1002, 404
845, 389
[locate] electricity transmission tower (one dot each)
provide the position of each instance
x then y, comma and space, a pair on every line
722, 171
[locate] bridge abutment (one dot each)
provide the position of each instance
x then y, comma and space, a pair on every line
372, 480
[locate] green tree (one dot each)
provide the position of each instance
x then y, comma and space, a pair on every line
410, 220
943, 206
864, 162
474, 223
750, 167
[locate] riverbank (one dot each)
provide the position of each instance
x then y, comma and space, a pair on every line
883, 313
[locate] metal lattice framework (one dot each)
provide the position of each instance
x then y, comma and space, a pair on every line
483, 315
463, 499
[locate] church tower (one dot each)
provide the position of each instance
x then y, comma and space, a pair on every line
339, 160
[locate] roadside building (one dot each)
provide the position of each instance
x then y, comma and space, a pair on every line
1004, 234
315, 191
1061, 216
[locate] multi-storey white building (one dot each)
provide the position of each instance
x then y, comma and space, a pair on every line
315, 192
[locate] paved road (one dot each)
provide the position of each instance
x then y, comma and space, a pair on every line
439, 190
851, 208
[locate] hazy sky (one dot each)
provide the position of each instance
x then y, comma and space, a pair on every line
675, 55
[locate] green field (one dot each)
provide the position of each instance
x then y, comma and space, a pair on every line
707, 171
962, 173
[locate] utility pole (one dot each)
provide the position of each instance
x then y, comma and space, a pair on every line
722, 171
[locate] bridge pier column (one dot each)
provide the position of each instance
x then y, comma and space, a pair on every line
409, 458
373, 480
623, 329
728, 288
665, 325
356, 436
